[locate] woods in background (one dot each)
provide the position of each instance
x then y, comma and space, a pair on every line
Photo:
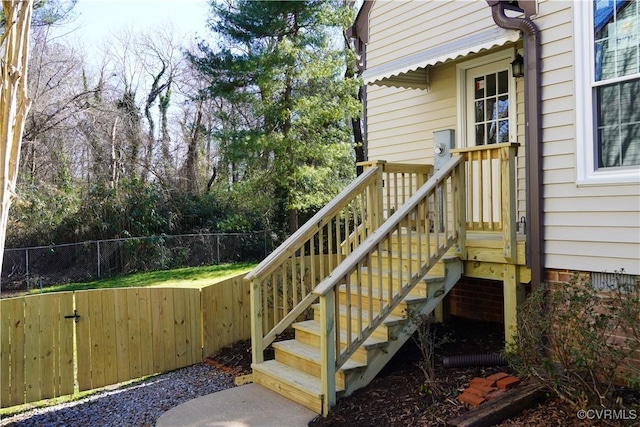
249, 129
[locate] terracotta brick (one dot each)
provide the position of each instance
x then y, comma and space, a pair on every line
480, 389
497, 376
483, 381
508, 382
471, 399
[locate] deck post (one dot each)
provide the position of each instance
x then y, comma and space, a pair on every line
509, 228
513, 297
257, 354
327, 350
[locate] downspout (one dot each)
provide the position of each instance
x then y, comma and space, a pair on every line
533, 143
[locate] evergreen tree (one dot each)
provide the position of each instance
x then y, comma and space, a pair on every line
279, 69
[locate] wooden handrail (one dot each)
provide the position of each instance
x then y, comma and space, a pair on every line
484, 147
292, 244
378, 235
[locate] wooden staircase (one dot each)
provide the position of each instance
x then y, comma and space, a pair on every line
346, 279
296, 370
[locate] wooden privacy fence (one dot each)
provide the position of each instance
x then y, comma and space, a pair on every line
118, 335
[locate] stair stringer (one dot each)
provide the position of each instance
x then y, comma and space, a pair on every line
436, 293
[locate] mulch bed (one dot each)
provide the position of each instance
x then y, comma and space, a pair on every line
398, 397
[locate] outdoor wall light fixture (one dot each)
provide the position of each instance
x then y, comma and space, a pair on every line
517, 66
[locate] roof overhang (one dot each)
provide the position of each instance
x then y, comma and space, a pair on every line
411, 71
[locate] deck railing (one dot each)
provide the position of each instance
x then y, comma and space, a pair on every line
368, 299
491, 191
282, 282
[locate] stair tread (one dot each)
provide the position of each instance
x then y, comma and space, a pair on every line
313, 326
312, 353
293, 377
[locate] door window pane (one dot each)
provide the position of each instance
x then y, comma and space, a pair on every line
492, 108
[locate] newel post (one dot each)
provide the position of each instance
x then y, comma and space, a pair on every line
460, 198
508, 179
327, 349
257, 354
374, 195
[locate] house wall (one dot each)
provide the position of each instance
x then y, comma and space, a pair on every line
587, 228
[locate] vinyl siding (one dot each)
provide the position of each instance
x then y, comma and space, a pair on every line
586, 228
401, 28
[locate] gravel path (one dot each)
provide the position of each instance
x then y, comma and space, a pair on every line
139, 404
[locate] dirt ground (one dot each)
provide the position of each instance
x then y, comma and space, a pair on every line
397, 397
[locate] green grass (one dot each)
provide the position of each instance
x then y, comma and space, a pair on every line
180, 277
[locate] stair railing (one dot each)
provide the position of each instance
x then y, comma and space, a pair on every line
410, 249
491, 191
281, 284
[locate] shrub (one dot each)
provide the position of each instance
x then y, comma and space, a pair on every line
580, 341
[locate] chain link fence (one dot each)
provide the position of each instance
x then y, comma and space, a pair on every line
27, 268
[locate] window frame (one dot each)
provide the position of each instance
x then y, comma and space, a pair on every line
585, 109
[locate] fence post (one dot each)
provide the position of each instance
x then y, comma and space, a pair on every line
265, 245
26, 262
218, 246
98, 257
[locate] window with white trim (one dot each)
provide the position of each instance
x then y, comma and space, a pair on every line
608, 86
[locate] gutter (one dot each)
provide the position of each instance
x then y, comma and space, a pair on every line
533, 133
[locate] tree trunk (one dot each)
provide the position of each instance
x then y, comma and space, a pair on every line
192, 155
14, 102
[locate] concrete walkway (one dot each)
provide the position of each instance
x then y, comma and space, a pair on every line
245, 406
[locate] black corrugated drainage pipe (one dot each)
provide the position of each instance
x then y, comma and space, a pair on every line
533, 143
488, 359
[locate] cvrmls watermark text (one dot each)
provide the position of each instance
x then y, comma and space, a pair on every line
607, 414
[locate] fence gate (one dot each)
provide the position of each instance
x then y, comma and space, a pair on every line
36, 348
129, 333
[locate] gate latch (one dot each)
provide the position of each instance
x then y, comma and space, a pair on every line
75, 316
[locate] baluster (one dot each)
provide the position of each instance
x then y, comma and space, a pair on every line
370, 288
347, 311
276, 299
445, 204
395, 192
380, 303
409, 249
338, 238
490, 196
389, 268
265, 306
294, 279
330, 237
354, 213
285, 289
480, 189
313, 260
303, 272
321, 255
469, 188
359, 305
399, 248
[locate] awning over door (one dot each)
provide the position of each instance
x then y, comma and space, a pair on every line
411, 71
